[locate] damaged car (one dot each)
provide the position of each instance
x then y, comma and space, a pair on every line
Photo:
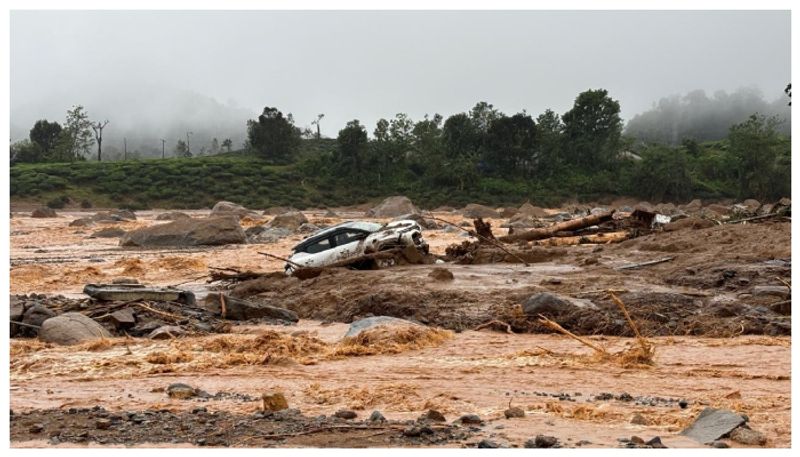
355, 241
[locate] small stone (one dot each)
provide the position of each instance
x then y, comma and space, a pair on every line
470, 419
434, 416
274, 402
514, 411
655, 443
638, 419
683, 404
441, 274
543, 441
345, 414
181, 391
36, 428
414, 431
748, 437
376, 416
720, 445
636, 440
103, 424
488, 444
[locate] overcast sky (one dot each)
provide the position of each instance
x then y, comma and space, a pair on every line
130, 66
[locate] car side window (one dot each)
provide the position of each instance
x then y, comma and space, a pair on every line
348, 237
319, 246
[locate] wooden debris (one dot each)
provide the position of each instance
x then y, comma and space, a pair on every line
645, 264
566, 226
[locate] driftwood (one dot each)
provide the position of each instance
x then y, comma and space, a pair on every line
566, 226
480, 233
756, 218
596, 238
232, 274
645, 264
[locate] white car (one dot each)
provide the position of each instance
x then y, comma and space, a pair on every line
353, 239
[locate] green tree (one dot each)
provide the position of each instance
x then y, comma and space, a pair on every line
227, 144
663, 174
460, 136
351, 149
593, 130
754, 146
45, 135
76, 138
550, 131
181, 149
509, 145
482, 115
274, 136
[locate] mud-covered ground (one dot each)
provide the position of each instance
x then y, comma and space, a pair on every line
717, 344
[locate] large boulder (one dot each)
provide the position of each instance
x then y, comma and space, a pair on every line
529, 210
289, 221
242, 310
276, 210
393, 207
693, 206
713, 424
82, 222
224, 208
120, 215
261, 234
44, 212
16, 312
473, 210
172, 216
71, 328
549, 304
110, 232
210, 231
36, 315
377, 321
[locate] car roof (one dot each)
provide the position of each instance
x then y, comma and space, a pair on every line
358, 225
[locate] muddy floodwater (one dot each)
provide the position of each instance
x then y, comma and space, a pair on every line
707, 354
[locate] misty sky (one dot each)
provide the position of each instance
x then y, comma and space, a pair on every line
165, 71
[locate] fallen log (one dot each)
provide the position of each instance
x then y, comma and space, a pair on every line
566, 226
645, 264
597, 238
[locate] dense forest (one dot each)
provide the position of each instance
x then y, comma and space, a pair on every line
480, 155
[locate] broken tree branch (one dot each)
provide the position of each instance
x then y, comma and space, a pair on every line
552, 325
566, 226
492, 322
491, 240
645, 264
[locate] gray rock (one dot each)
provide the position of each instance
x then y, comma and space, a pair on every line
778, 291
451, 229
542, 441
345, 414
36, 315
238, 309
71, 328
110, 232
307, 227
488, 444
17, 311
375, 321
474, 210
44, 212
262, 234
289, 221
529, 210
172, 216
749, 437
470, 419
376, 416
713, 424
393, 207
720, 445
82, 222
433, 416
224, 208
181, 391
188, 232
166, 332
123, 318
655, 443
550, 304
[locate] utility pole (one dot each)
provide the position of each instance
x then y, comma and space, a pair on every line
98, 135
125, 148
188, 148
162, 147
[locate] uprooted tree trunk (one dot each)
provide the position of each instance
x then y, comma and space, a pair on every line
566, 226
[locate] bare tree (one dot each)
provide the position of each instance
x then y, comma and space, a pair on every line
316, 122
98, 135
